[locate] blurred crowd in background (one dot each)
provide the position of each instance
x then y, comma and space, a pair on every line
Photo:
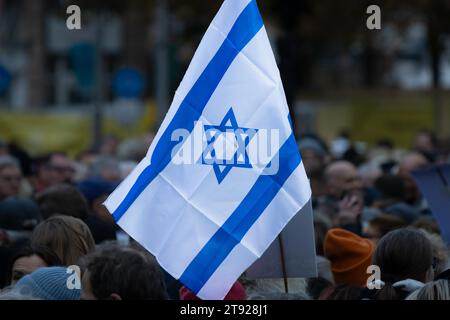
367, 210
79, 108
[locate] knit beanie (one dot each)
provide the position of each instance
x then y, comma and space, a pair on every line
49, 284
350, 255
93, 188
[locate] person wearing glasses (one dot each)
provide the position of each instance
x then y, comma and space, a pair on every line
10, 177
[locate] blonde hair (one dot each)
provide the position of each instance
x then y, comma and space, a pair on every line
68, 237
436, 290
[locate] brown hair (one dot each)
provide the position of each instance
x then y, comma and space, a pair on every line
63, 199
69, 237
385, 223
127, 272
403, 254
427, 225
346, 292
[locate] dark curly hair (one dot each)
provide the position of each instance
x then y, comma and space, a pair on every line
124, 271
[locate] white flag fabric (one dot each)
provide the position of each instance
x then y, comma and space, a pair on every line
223, 175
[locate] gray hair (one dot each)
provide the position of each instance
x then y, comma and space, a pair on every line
102, 164
8, 161
436, 290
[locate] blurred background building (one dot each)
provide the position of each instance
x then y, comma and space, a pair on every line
64, 89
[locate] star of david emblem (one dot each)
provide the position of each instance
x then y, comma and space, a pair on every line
227, 146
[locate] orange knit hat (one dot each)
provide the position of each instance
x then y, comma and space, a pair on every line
350, 255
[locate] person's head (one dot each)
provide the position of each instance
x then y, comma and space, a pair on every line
404, 254
109, 146
440, 252
369, 173
436, 290
19, 214
428, 224
409, 163
105, 168
87, 157
62, 199
341, 177
95, 191
28, 259
54, 168
349, 255
314, 154
381, 225
317, 285
62, 166
346, 292
49, 284
132, 149
10, 177
41, 173
68, 237
119, 273
390, 187
425, 141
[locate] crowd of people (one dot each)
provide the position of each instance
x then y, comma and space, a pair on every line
368, 211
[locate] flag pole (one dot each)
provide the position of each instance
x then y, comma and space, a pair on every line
283, 263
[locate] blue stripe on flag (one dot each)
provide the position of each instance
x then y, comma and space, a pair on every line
244, 29
241, 220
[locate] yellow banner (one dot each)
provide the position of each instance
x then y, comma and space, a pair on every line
70, 132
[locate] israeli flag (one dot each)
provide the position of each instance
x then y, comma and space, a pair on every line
223, 175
